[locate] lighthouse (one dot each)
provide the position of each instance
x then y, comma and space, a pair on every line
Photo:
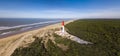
62, 29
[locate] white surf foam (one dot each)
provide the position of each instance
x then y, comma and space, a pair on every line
26, 28
4, 27
6, 32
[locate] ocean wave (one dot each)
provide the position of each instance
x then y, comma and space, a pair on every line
6, 32
26, 28
5, 27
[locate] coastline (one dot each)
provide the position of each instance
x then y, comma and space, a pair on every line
10, 43
22, 31
33, 31
12, 35
25, 29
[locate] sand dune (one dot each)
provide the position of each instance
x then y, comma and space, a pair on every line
9, 44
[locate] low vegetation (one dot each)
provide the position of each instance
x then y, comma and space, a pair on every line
105, 34
37, 48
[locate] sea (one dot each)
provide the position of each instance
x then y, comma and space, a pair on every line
10, 26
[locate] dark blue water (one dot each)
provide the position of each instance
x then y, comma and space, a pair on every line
21, 21
12, 25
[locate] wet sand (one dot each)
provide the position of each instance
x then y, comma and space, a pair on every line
22, 31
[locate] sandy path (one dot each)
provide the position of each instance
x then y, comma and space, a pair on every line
10, 49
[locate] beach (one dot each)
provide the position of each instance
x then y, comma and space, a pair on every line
22, 31
10, 43
10, 27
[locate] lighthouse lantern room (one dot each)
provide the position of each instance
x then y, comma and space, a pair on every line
63, 29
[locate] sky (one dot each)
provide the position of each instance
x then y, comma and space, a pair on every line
59, 8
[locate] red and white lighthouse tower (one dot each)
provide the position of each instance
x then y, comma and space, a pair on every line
63, 29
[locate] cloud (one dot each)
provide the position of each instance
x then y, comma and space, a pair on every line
37, 14
57, 11
107, 13
104, 13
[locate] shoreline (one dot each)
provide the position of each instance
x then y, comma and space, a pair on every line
10, 43
23, 31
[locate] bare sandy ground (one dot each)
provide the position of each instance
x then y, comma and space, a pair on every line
9, 44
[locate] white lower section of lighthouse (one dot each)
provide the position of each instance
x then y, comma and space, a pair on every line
63, 29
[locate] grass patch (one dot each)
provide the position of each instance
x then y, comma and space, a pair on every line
105, 34
37, 48
61, 40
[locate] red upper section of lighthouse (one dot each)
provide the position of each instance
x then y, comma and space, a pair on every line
63, 23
